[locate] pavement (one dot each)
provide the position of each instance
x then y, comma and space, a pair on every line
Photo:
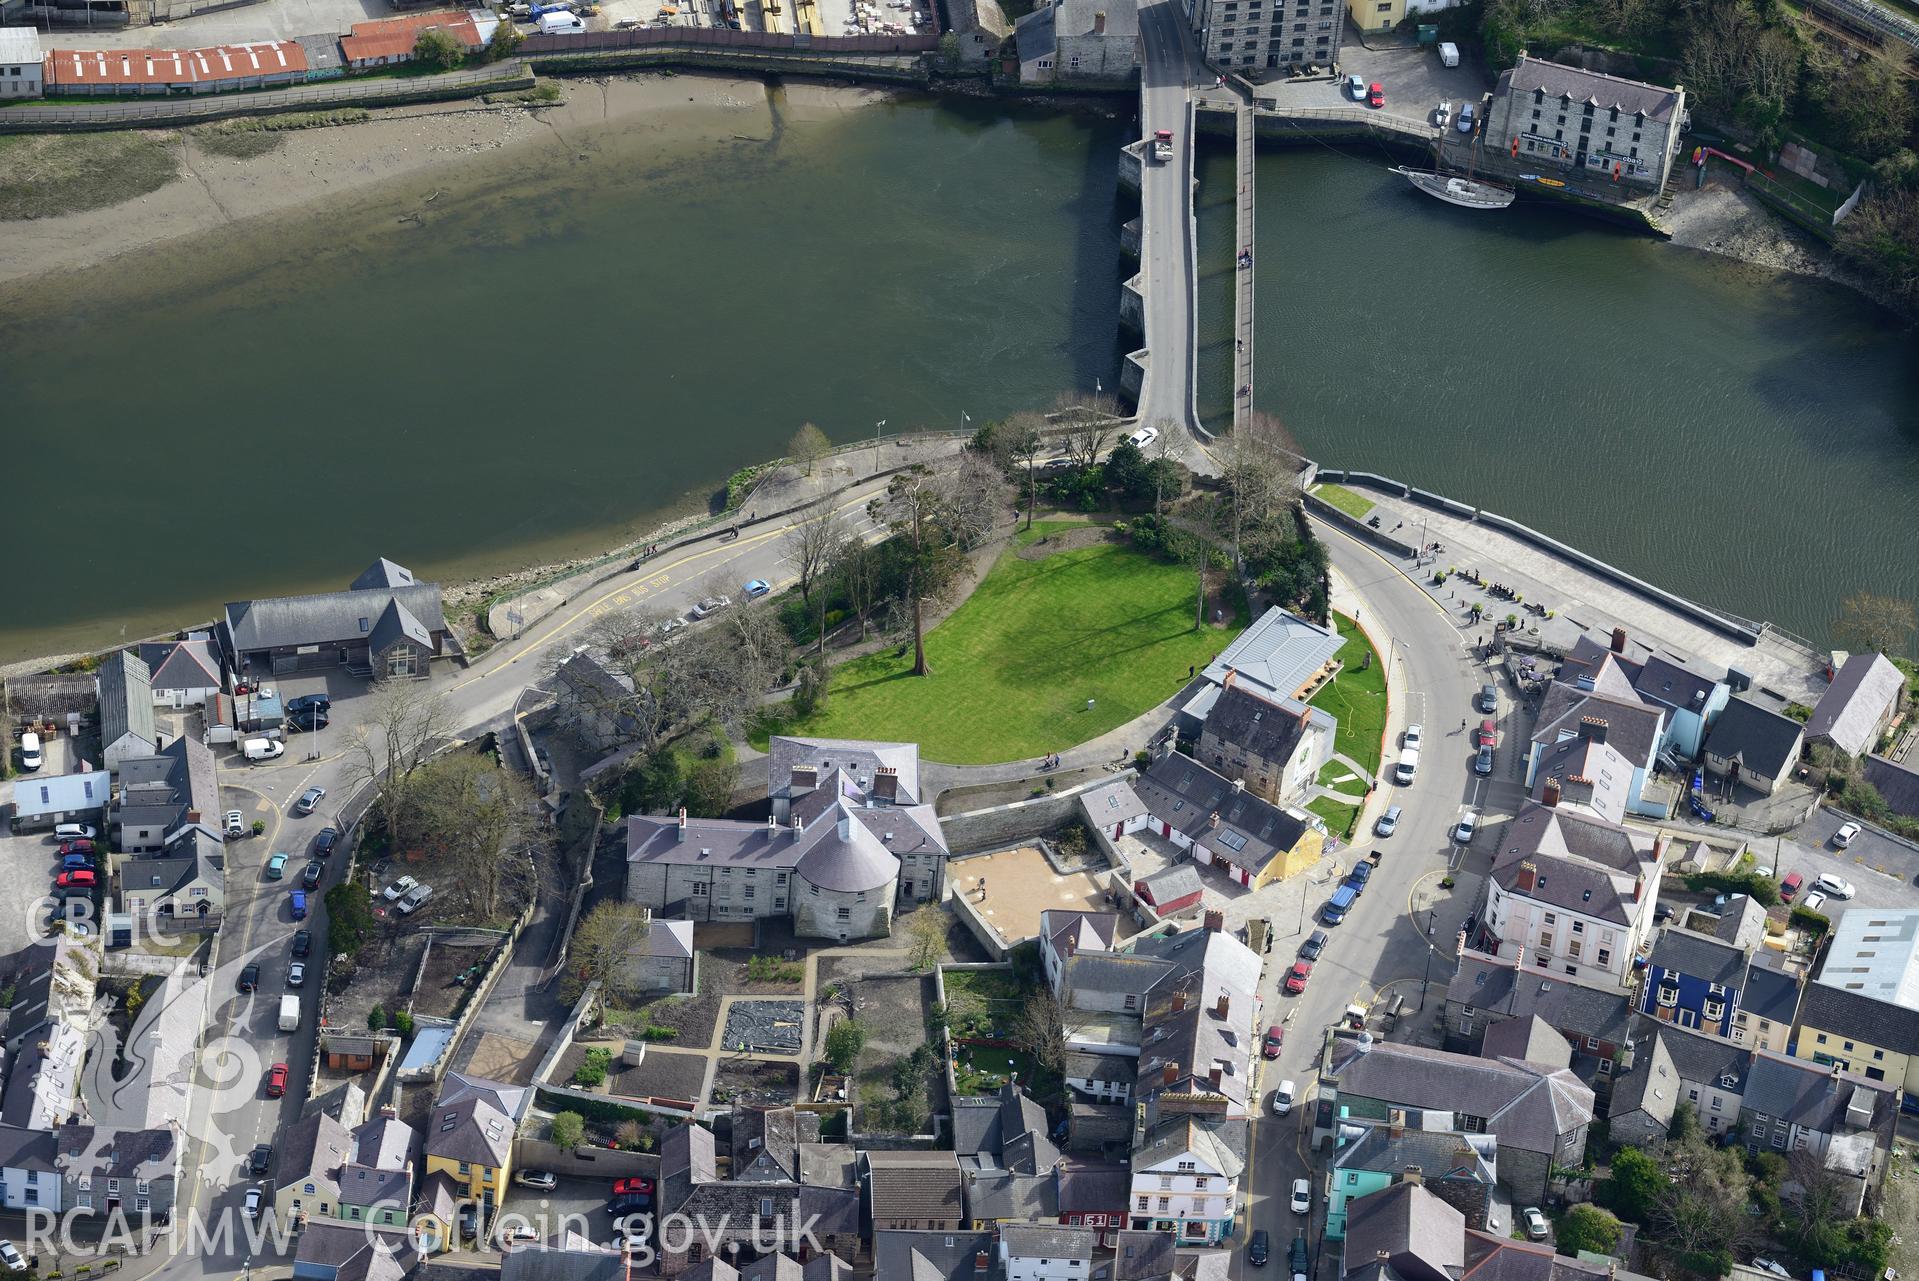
1167, 250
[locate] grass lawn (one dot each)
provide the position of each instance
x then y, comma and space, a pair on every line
983, 1069
1338, 817
1357, 698
975, 999
1014, 666
1354, 505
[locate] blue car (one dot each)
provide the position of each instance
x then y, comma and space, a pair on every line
76, 863
757, 588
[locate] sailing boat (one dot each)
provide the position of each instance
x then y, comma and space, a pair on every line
1463, 190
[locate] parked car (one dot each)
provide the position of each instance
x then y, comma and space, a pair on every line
85, 879
74, 832
312, 874
297, 905
1846, 834
1483, 761
632, 1186
76, 863
756, 588
1275, 1038
1302, 1196
1299, 976
1835, 886
316, 702
1284, 1096
1536, 1226
415, 897
323, 843
249, 978
1790, 886
1488, 699
399, 889
1143, 437
309, 800
1773, 1266
1464, 829
1388, 822
1297, 1256
1467, 118
30, 757
261, 1159
302, 942
1315, 944
255, 1196
1258, 1248
309, 721
78, 846
670, 626
1813, 901
1412, 736
236, 823
517, 1234
1375, 95
1356, 87
276, 865
540, 1180
296, 974
711, 605
1488, 733
11, 1257
276, 1080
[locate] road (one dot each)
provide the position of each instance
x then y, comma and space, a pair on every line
1167, 252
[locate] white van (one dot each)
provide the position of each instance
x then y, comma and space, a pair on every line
30, 757
1408, 763
554, 24
289, 1012
262, 749
1448, 55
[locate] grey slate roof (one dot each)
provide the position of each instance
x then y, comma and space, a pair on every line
1584, 863
1527, 1106
1849, 710
333, 617
1100, 1067
98, 1151
31, 1149
1898, 784
1421, 1237
843, 847
1258, 725
470, 1129
1249, 831
1036, 35
1092, 1186
397, 623
1699, 957
1765, 742
1603, 91
859, 759
1438, 1154
42, 1083
1003, 1196
1502, 987
126, 698
928, 1256
1855, 1016
1112, 974
1769, 994
1601, 764
1047, 1241
1530, 1040
1632, 727
1661, 680
1219, 1143
1111, 803
1006, 1132
509, 1099
551, 1263
1281, 651
382, 573
767, 1141
1801, 1091
310, 1150
1171, 884
914, 1185
1705, 1059
186, 664
1143, 1256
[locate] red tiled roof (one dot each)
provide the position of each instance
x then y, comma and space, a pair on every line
391, 37
137, 67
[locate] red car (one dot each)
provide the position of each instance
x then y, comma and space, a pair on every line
79, 880
276, 1080
76, 847
1275, 1037
1488, 733
1791, 886
1297, 976
627, 1187
1375, 96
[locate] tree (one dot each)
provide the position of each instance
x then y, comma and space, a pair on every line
601, 944
926, 936
1873, 622
808, 446
1586, 1227
1865, 98
710, 785
1024, 444
1163, 476
1635, 1185
478, 819
436, 47
1882, 236
854, 567
404, 721
504, 42
349, 917
1126, 469
843, 1045
1087, 442
916, 506
1685, 1125
1038, 1029
741, 656
810, 543
1702, 1208
568, 1129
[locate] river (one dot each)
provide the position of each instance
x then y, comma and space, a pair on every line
565, 349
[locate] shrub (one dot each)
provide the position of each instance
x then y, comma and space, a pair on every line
1798, 711
376, 1019
654, 1032
843, 1045
349, 917
1813, 923
592, 1070
259, 826
403, 1023
1763, 889
1587, 1227
568, 1129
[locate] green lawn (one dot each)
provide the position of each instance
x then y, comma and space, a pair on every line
1014, 666
1354, 505
1338, 817
1357, 697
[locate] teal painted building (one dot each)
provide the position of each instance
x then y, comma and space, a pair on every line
1459, 1168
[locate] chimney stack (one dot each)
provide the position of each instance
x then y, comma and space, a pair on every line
1224, 1008
1638, 886
1413, 1174
1099, 24
982, 1262
1396, 1124
1170, 1074
682, 835
805, 777
1213, 1078
1593, 727
1215, 921
796, 827
1179, 1000
1528, 879
1072, 944
1619, 640
1550, 798
772, 825
886, 783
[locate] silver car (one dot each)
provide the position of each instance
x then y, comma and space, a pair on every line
414, 898
1356, 88
711, 605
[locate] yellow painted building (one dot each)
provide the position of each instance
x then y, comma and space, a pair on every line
1376, 15
1862, 1034
1249, 840
469, 1135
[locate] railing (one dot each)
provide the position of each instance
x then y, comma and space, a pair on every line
1352, 115
723, 38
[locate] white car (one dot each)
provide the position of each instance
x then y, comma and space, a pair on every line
11, 1257
1835, 886
1463, 833
1302, 1196
74, 832
1356, 87
254, 1197
711, 605
1846, 834
1412, 736
414, 898
1813, 901
1283, 1098
398, 890
1143, 437
1535, 1223
236, 823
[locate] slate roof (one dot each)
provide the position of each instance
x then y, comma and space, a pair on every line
1438, 1154
42, 1083
356, 1252
1708, 1060
185, 664
1848, 712
1633, 727
766, 1142
1174, 883
1699, 957
311, 1149
163, 788
1047, 1241
1764, 742
1661, 680
1259, 726
1898, 784
1037, 38
333, 617
510, 1099
914, 1185
1608, 773
1422, 1237
1086, 1066
928, 1256
554, 1263
673, 939
1092, 1186
842, 848
1855, 1016
1281, 652
1143, 1256
1220, 1144
1769, 994
368, 1185
1530, 1040
1092, 931
397, 623
1490, 1257
126, 698
471, 1129
1005, 1132
1111, 803
30, 1149
1236, 825
1527, 1106
1003, 1196
859, 759
96, 1151
1501, 986
1603, 91
1584, 863
1803, 1092
53, 695
1111, 974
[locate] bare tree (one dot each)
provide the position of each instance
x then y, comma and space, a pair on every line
1086, 442
732, 665
808, 446
1162, 468
406, 720
480, 820
971, 497
1704, 1206
810, 541
1039, 1029
1025, 442
926, 935
854, 565
602, 942
915, 507
1873, 622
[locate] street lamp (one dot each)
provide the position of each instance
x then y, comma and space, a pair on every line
1431, 913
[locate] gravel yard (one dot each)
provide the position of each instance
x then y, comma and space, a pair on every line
737, 1081
663, 1074
769, 1026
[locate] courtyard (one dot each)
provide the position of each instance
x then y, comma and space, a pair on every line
1010, 888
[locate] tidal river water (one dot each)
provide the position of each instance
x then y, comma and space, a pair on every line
567, 347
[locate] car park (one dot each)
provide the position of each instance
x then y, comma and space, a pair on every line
312, 874
297, 974
276, 1080
1467, 119
414, 899
398, 889
1847, 833
276, 865
302, 942
1315, 944
1302, 1196
254, 1198
1375, 95
1791, 886
711, 605
1388, 822
1835, 886
309, 800
755, 588
1813, 901
261, 1158
249, 978
1284, 1096
236, 823
1275, 1038
74, 832
1535, 1223
1299, 976
1464, 829
1488, 700
1483, 760
539, 1180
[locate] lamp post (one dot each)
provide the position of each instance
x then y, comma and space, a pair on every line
876, 445
1431, 912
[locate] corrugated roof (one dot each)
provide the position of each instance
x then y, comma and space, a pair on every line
388, 38
134, 68
1281, 652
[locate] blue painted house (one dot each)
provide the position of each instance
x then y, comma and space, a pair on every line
1692, 699
1693, 981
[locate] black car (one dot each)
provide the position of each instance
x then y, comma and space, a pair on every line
249, 978
261, 1159
1313, 946
313, 874
1298, 1256
308, 721
1488, 701
320, 702
1257, 1249
629, 1203
323, 843
302, 942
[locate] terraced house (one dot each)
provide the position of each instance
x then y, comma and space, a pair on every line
469, 1135
1861, 1011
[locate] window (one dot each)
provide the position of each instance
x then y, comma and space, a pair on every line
1605, 957
1634, 153
1165, 1204
1605, 1067
1715, 1102
1545, 939
1187, 1167
749, 891
1572, 949
1592, 1042
846, 914
1165, 1183
1549, 919
1142, 1203
1692, 1095
1573, 970
699, 889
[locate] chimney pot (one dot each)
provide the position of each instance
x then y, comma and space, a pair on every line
1414, 1175
1638, 886
1224, 1008
1550, 798
1170, 1074
1099, 24
805, 776
1239, 785
1528, 879
1215, 921
682, 828
1179, 1000
1618, 640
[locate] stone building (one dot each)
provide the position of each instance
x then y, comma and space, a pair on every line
1606, 126
1079, 40
1275, 750
1261, 37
